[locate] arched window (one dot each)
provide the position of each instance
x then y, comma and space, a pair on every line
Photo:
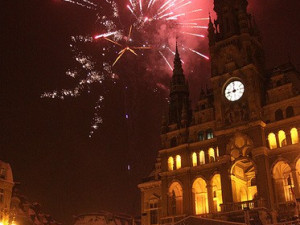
170, 163
201, 136
202, 157
209, 134
194, 159
294, 136
272, 141
211, 155
283, 182
175, 199
217, 192
289, 112
173, 142
278, 115
281, 138
200, 196
178, 161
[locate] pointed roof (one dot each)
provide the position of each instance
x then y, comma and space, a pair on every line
177, 63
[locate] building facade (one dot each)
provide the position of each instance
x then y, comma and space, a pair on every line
236, 157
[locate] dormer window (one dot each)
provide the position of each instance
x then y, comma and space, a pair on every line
209, 134
201, 136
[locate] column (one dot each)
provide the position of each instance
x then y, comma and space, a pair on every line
296, 185
288, 138
210, 196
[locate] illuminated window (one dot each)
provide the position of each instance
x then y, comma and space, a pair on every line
175, 199
272, 141
209, 134
217, 192
178, 161
278, 115
202, 157
194, 159
281, 138
201, 136
171, 163
294, 136
200, 196
283, 182
218, 154
289, 112
211, 155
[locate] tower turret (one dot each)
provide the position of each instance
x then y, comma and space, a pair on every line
179, 93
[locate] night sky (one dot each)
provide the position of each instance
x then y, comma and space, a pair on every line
46, 141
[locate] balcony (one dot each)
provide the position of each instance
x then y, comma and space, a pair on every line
238, 206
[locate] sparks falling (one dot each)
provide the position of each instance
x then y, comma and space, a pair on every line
156, 25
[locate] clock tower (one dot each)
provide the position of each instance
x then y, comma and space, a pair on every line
237, 64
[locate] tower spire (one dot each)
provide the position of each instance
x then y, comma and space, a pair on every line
177, 63
179, 92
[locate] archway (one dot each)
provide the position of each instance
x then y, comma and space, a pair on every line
175, 199
217, 192
242, 175
200, 196
283, 181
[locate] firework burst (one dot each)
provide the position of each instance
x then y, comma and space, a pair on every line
153, 25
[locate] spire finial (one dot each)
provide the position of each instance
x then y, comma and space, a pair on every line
177, 62
177, 53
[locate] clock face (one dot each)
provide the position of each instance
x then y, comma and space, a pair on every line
234, 90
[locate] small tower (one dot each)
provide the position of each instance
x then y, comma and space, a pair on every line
179, 93
211, 32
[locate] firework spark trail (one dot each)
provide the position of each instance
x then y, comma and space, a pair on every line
185, 4
198, 53
131, 10
141, 7
80, 4
91, 3
195, 27
170, 50
165, 15
192, 34
183, 24
166, 60
198, 19
149, 4
105, 35
97, 119
114, 42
